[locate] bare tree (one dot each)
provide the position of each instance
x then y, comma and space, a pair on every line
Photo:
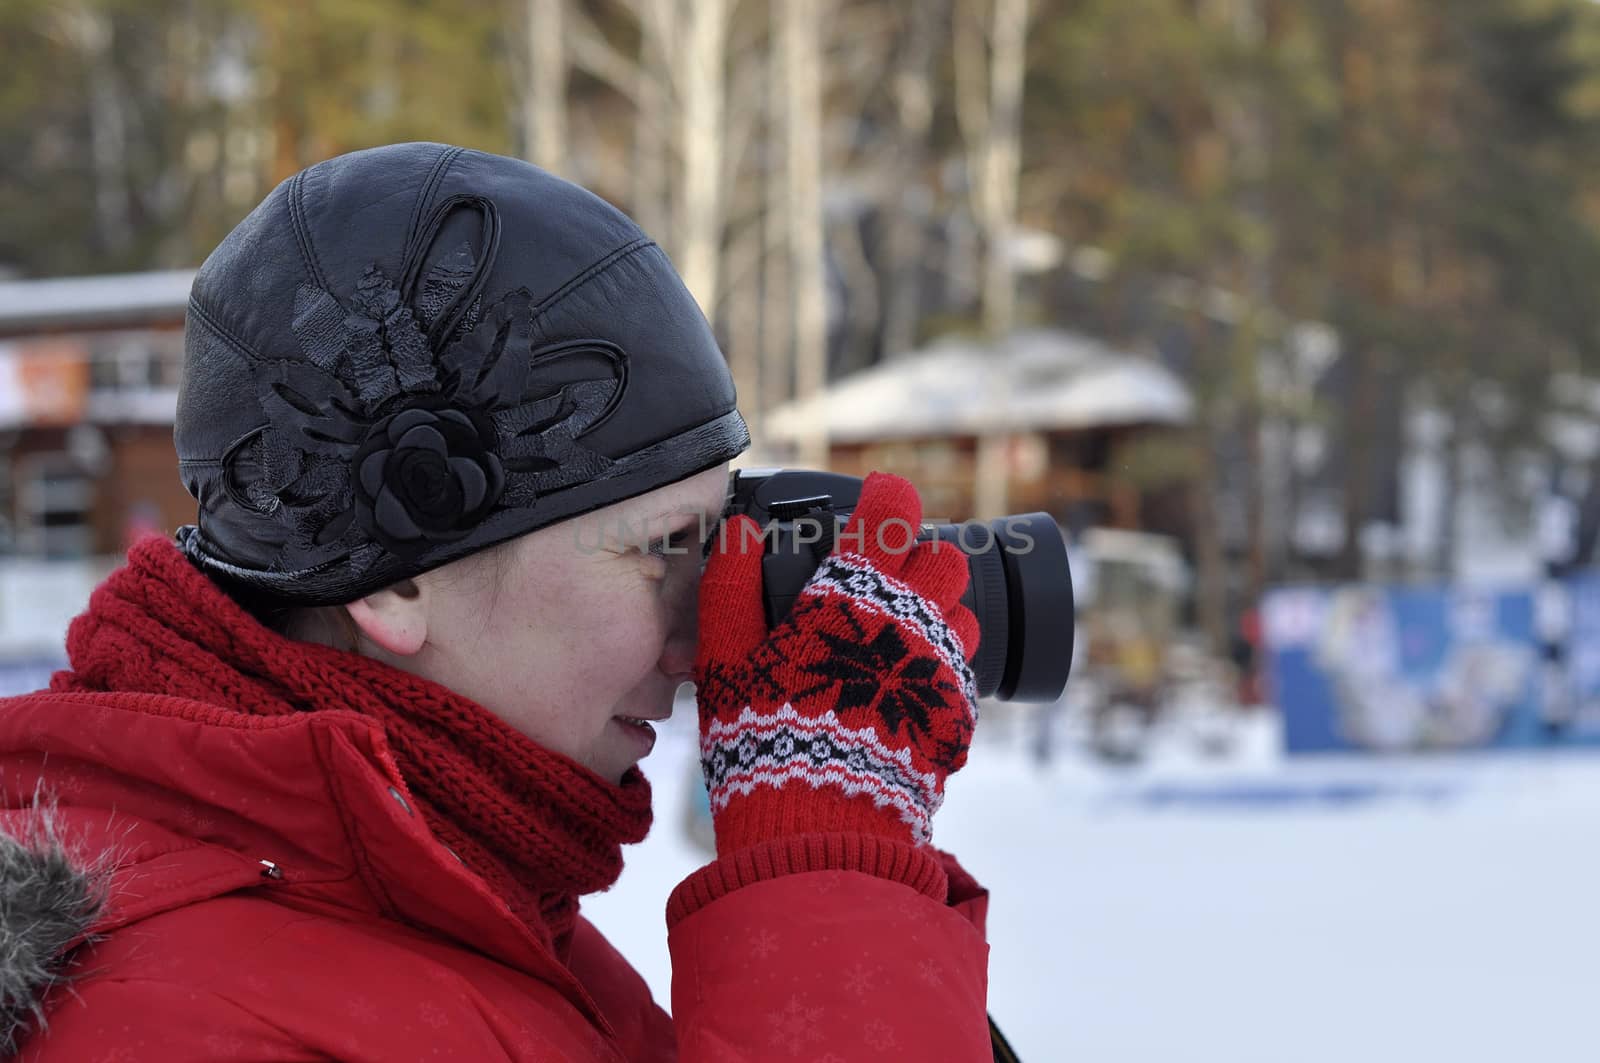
741, 314
90, 31
990, 36
999, 161
701, 84
544, 109
651, 183
800, 35
777, 308
907, 193
678, 85
160, 114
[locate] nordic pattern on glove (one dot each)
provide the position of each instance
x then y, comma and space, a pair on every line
852, 712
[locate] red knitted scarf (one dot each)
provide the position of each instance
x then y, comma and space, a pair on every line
539, 827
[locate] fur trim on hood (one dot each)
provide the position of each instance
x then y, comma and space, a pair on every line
48, 902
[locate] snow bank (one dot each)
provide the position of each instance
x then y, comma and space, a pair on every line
1249, 909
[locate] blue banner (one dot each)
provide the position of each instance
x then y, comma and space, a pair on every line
1397, 669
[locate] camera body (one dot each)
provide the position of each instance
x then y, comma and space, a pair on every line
1019, 585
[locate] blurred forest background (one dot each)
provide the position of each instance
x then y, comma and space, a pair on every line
1351, 248
1320, 213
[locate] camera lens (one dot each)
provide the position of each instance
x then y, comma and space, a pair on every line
1020, 590
1039, 601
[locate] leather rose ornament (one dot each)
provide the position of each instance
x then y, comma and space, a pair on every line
380, 444
426, 477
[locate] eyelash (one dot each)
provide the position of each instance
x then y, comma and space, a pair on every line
677, 540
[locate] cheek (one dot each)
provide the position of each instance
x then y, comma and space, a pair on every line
621, 643
594, 643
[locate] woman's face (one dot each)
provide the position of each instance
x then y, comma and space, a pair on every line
574, 632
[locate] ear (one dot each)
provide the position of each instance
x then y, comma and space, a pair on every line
393, 618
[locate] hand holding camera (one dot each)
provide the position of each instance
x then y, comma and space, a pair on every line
848, 715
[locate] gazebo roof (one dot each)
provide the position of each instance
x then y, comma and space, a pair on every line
1036, 380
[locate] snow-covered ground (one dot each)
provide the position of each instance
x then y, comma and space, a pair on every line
1248, 908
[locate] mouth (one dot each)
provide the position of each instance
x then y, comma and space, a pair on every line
641, 730
643, 721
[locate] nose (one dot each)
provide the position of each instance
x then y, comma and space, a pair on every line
678, 651
677, 659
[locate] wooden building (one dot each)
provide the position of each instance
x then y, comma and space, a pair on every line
89, 371
1068, 406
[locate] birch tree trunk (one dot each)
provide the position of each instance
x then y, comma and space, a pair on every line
777, 306
678, 84
91, 31
742, 305
1001, 164
701, 55
992, 129
677, 81
913, 94
544, 109
802, 77
653, 115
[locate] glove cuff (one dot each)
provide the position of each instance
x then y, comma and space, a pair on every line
918, 867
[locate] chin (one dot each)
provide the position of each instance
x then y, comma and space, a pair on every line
615, 775
611, 768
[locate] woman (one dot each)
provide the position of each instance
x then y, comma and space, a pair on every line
328, 775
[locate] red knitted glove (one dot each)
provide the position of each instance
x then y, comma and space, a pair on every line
852, 712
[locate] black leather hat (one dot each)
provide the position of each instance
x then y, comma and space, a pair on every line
407, 354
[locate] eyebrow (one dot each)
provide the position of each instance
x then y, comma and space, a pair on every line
674, 526
682, 517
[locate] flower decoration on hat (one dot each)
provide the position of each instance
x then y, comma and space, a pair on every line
427, 476
416, 415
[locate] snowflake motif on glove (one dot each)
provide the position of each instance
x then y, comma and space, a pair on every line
851, 713
879, 676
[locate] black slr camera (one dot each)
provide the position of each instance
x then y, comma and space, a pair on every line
1020, 588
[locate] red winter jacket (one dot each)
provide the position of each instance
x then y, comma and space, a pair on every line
269, 895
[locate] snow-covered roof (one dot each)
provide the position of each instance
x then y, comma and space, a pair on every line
1042, 379
122, 299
